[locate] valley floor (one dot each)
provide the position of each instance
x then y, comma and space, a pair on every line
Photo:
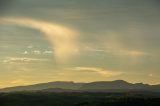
79, 99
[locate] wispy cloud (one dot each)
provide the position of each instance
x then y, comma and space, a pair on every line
25, 52
88, 48
126, 52
30, 46
47, 52
101, 71
115, 46
19, 81
37, 52
21, 60
118, 51
63, 39
14, 82
4, 46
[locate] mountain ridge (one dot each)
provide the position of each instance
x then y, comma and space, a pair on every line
97, 86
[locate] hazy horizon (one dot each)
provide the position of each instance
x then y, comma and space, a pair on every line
79, 40
74, 82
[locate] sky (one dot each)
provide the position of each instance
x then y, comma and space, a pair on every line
79, 40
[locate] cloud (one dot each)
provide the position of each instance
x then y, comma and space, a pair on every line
47, 52
21, 60
88, 48
19, 81
37, 52
25, 52
118, 51
63, 39
4, 46
115, 46
106, 73
126, 52
30, 47
150, 75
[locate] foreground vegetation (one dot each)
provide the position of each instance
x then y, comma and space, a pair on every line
79, 99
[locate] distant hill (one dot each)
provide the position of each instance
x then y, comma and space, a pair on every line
42, 86
119, 85
99, 86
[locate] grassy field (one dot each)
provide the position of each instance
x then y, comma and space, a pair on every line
79, 99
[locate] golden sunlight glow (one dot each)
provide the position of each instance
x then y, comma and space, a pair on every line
63, 39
